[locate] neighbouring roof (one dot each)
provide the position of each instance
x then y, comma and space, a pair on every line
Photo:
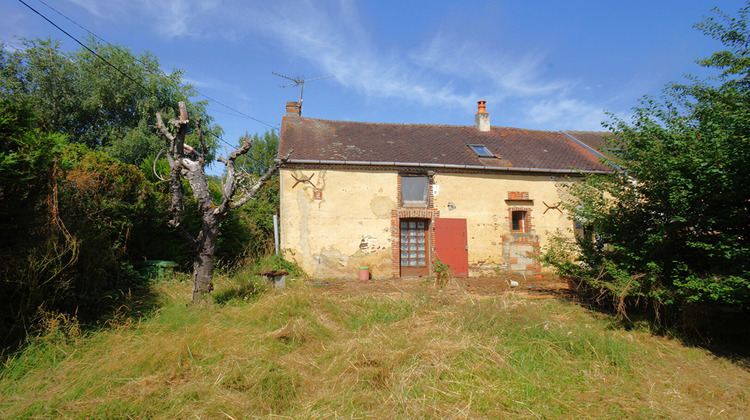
597, 140
360, 143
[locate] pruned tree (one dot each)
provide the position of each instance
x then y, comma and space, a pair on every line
238, 188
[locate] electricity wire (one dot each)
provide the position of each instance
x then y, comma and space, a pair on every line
272, 126
162, 72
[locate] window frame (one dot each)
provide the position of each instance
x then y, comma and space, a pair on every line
523, 221
404, 188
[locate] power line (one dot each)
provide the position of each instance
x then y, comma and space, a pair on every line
72, 21
240, 113
271, 125
89, 49
146, 90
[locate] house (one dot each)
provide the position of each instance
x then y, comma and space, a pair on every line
395, 197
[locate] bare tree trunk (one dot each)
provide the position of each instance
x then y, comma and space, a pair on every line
186, 163
203, 264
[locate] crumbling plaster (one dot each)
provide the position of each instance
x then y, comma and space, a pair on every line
346, 228
349, 226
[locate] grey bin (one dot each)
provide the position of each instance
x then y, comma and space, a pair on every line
157, 268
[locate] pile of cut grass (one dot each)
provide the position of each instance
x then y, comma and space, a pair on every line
307, 353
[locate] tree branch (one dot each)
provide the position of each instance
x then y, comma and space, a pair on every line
254, 190
204, 148
154, 166
162, 129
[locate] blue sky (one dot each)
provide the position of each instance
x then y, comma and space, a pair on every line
550, 65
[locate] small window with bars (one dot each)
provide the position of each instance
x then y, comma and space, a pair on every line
413, 243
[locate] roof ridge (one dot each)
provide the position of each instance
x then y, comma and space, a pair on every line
423, 124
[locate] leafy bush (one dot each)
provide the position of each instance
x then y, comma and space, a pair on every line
70, 217
673, 224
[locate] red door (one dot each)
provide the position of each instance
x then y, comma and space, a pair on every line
450, 245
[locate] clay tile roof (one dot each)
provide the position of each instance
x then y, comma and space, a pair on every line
597, 140
328, 141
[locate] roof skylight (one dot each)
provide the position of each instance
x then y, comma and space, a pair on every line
481, 150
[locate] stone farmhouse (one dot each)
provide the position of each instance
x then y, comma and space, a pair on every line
396, 197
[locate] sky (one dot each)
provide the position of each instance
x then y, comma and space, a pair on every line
547, 65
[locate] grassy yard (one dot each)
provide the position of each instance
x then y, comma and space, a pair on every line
308, 352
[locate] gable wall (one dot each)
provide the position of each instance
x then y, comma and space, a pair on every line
349, 223
348, 227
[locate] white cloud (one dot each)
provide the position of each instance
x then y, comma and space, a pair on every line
507, 74
448, 70
334, 41
566, 113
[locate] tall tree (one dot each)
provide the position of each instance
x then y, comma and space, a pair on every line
188, 163
103, 95
673, 227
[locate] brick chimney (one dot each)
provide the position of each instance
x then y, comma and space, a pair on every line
293, 108
482, 119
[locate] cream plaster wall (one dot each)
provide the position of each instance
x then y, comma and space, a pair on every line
481, 200
348, 228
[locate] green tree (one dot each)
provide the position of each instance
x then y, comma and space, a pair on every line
73, 223
103, 96
251, 227
673, 226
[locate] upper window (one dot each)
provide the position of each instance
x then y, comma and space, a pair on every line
481, 150
414, 190
519, 221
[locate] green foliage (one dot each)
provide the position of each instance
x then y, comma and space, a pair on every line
261, 155
80, 95
75, 221
249, 229
441, 272
34, 249
27, 163
673, 227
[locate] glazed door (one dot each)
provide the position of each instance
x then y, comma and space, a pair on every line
415, 240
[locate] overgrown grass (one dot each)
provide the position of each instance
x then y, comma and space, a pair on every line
309, 353
244, 283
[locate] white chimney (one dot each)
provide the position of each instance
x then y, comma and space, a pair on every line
482, 119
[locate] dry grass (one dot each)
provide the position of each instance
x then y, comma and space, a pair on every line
309, 353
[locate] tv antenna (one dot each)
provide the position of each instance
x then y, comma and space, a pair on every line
300, 81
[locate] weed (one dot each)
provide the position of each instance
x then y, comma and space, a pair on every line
441, 273
308, 353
